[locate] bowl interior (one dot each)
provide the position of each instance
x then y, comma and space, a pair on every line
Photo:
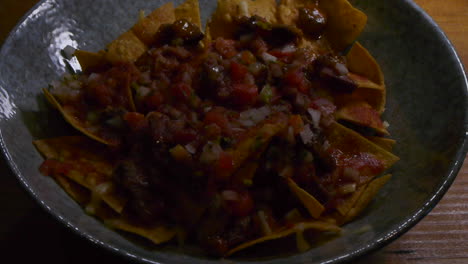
426, 108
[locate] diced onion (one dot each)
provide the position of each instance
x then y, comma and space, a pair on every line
306, 134
288, 48
253, 116
229, 195
103, 188
386, 124
264, 223
341, 68
315, 115
347, 188
351, 173
211, 152
190, 148
268, 57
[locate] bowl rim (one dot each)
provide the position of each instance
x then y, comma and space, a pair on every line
367, 249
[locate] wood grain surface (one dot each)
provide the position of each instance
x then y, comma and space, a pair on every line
441, 237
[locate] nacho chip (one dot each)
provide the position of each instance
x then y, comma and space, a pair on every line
314, 207
349, 141
90, 60
157, 234
257, 141
366, 197
361, 64
348, 203
147, 27
361, 113
126, 48
385, 143
300, 227
190, 11
86, 163
79, 124
80, 194
229, 10
344, 22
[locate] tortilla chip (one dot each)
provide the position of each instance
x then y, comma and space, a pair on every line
300, 227
368, 194
126, 48
90, 60
256, 141
147, 28
157, 234
361, 62
349, 141
345, 23
228, 10
89, 166
190, 11
314, 207
77, 124
80, 194
385, 143
374, 96
361, 113
348, 203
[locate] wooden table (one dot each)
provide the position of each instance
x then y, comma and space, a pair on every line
441, 237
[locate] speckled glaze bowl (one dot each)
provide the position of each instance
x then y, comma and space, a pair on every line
427, 110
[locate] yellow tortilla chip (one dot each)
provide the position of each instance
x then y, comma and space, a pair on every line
361, 63
361, 113
157, 234
80, 194
314, 207
147, 27
257, 141
126, 48
297, 228
385, 143
74, 122
347, 204
90, 60
190, 11
344, 22
349, 141
89, 166
368, 194
228, 10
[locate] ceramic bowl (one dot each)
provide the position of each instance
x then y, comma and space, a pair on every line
426, 107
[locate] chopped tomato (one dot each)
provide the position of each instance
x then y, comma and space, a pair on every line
242, 206
185, 136
153, 101
225, 47
297, 124
216, 117
323, 105
297, 79
245, 94
135, 121
238, 71
225, 161
102, 93
281, 55
182, 91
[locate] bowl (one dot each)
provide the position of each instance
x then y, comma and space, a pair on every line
426, 107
